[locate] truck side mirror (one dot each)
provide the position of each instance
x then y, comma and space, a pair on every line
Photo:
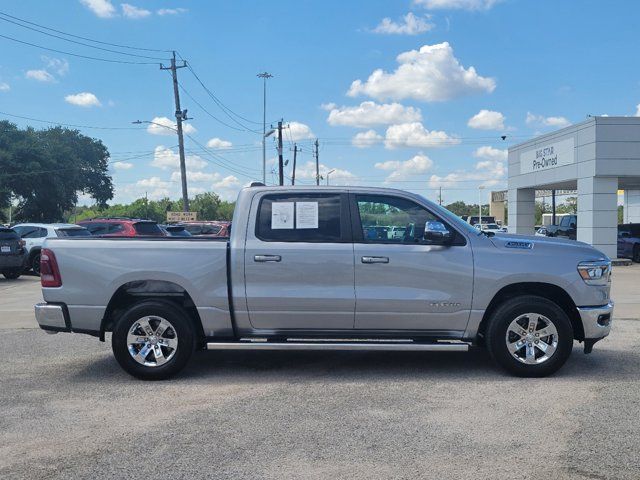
436, 233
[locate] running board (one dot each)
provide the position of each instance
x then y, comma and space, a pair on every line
324, 345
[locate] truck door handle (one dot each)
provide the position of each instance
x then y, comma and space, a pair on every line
375, 259
267, 258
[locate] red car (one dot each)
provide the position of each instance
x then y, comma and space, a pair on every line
122, 227
208, 229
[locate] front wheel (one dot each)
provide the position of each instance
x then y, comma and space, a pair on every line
153, 340
530, 336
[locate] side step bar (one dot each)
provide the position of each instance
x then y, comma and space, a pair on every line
323, 345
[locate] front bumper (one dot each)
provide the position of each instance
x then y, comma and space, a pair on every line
53, 317
596, 321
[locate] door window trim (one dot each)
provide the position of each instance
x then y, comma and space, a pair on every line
345, 215
356, 222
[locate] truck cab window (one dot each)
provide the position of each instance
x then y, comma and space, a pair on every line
300, 218
385, 219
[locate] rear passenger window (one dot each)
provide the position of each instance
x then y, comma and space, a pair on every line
300, 218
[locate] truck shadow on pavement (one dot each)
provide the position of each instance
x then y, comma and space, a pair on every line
260, 366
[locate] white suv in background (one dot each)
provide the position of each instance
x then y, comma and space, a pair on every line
34, 235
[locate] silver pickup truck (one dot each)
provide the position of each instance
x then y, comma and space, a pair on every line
317, 268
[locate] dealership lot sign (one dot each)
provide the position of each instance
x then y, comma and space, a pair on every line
182, 216
548, 156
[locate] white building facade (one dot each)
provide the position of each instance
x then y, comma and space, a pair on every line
597, 158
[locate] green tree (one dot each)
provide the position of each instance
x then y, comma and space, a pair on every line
47, 169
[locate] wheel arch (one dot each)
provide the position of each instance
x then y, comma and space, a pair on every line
135, 291
546, 290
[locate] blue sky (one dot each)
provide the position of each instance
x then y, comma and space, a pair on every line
410, 94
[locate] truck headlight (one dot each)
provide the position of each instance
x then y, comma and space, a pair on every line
595, 273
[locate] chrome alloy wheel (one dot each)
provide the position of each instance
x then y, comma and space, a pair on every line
152, 341
532, 338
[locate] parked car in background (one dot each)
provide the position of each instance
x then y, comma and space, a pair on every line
34, 235
122, 227
493, 227
566, 228
541, 232
12, 253
395, 233
214, 228
175, 230
629, 241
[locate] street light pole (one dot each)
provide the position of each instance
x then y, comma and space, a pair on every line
480, 205
329, 173
264, 76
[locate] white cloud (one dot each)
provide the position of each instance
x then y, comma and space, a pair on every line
490, 153
166, 159
415, 135
369, 113
410, 25
122, 165
328, 106
637, 109
340, 176
40, 76
298, 131
165, 126
542, 121
60, 66
171, 11
102, 8
131, 11
489, 171
4, 87
431, 74
154, 187
417, 165
487, 120
219, 143
457, 4
366, 139
83, 99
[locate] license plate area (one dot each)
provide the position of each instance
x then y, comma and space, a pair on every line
5, 249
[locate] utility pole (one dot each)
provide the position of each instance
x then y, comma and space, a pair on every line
329, 173
264, 76
317, 162
280, 160
295, 155
440, 196
180, 116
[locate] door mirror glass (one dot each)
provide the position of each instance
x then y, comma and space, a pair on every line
436, 233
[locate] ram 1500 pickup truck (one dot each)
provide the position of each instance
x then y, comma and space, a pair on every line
300, 272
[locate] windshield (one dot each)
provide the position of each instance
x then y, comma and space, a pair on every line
8, 234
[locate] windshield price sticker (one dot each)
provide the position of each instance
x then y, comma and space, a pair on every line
306, 214
282, 216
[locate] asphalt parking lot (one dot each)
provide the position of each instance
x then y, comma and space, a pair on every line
69, 411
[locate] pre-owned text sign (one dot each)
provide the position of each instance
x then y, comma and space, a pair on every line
546, 156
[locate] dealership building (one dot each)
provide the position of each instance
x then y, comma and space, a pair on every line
596, 158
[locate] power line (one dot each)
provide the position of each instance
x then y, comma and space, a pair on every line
85, 38
68, 124
129, 62
79, 43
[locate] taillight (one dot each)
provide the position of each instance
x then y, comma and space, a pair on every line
22, 243
49, 271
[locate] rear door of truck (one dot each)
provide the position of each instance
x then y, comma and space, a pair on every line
299, 268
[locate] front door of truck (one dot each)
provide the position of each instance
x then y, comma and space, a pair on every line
408, 282
299, 271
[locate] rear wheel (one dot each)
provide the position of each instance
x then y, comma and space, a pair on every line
530, 336
11, 274
153, 340
35, 263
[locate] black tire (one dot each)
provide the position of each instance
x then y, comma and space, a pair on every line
178, 320
12, 274
636, 254
35, 263
512, 309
